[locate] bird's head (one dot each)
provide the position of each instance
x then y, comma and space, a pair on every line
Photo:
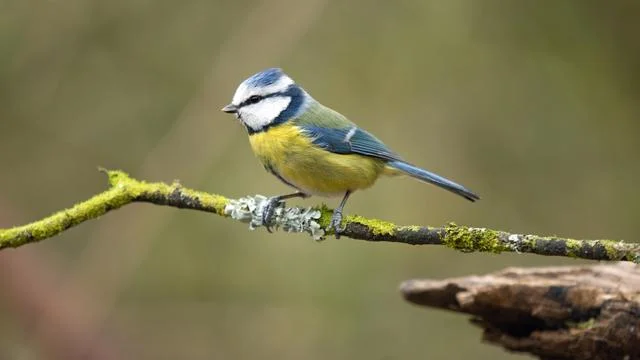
267, 98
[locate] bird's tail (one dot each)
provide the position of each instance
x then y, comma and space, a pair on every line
426, 176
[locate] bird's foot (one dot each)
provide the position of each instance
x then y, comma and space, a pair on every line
269, 211
336, 221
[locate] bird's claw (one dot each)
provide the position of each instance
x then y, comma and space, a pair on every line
269, 210
336, 221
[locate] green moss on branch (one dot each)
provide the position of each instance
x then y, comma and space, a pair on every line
469, 239
123, 190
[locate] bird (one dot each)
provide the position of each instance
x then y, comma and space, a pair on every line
313, 148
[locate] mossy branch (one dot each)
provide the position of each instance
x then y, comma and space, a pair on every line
124, 190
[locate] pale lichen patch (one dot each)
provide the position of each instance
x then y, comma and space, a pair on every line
249, 210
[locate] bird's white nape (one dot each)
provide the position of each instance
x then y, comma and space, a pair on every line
258, 115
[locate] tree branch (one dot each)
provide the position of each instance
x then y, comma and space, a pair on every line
124, 190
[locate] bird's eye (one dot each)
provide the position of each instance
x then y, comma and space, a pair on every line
254, 99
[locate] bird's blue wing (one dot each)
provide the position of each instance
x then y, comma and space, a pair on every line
349, 140
333, 132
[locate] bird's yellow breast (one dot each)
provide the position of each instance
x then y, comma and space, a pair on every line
294, 157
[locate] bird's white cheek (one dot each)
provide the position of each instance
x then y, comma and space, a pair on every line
257, 116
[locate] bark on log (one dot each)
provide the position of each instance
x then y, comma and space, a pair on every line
587, 312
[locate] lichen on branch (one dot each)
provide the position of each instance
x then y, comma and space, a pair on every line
314, 220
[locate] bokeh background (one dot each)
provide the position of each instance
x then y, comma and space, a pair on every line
534, 105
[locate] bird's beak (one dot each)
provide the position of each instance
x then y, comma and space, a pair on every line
230, 109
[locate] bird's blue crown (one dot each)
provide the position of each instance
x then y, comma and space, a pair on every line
265, 78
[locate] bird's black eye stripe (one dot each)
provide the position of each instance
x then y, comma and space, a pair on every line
253, 99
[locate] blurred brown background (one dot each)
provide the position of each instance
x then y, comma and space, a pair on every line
534, 105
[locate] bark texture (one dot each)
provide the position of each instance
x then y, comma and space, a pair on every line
581, 312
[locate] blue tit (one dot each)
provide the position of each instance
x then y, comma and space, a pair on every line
314, 149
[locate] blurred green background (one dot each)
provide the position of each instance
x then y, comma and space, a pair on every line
534, 105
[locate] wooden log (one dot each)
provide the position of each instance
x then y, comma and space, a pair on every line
578, 312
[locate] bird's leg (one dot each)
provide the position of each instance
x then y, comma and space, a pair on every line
336, 218
272, 204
